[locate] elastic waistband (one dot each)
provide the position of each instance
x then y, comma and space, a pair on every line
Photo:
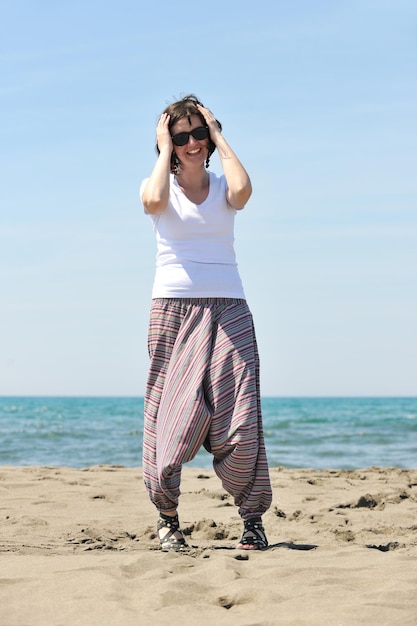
199, 301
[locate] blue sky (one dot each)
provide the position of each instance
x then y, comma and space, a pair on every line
318, 99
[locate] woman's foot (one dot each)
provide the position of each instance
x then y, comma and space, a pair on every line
170, 534
253, 537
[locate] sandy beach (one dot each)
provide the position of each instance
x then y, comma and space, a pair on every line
78, 547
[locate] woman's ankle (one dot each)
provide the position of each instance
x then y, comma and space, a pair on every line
168, 514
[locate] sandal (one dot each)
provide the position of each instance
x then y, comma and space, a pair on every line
253, 537
170, 534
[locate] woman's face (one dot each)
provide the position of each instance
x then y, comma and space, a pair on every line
195, 151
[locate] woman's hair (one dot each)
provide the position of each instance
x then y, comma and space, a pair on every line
186, 107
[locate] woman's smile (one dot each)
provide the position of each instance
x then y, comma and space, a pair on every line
194, 151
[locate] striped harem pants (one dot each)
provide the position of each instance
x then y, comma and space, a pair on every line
203, 389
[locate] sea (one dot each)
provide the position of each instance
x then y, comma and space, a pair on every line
317, 433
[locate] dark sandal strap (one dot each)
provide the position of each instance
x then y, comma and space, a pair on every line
253, 535
167, 540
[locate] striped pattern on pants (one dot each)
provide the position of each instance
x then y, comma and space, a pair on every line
203, 389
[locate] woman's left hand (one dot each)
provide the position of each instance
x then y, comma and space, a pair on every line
211, 122
239, 187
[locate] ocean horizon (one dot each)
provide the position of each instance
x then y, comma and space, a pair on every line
300, 432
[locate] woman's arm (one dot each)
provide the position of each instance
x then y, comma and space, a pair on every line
155, 196
238, 181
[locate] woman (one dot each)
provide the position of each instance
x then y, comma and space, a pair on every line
203, 383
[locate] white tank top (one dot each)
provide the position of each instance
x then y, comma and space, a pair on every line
195, 245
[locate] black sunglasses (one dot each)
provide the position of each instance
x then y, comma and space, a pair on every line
181, 139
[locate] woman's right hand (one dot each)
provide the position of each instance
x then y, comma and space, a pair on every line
163, 135
155, 196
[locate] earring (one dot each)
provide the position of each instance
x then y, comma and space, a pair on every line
207, 162
175, 165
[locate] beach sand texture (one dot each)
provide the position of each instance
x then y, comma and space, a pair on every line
78, 547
